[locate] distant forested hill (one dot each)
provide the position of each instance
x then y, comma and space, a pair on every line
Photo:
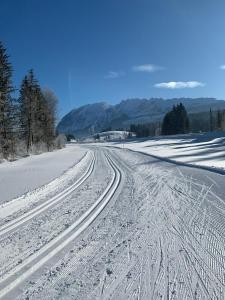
93, 118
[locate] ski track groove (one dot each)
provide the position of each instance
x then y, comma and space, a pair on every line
87, 218
47, 204
173, 250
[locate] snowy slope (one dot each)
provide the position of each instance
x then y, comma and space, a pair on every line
204, 150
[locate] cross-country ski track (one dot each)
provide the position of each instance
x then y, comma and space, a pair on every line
52, 201
118, 225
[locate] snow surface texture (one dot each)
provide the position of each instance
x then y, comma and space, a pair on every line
204, 150
134, 227
24, 175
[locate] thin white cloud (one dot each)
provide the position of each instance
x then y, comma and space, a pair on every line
222, 67
114, 74
149, 68
179, 85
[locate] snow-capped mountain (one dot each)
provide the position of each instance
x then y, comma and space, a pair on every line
92, 118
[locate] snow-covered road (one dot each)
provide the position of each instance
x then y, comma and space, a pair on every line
118, 225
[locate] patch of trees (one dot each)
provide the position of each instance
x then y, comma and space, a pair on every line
208, 121
107, 129
144, 130
70, 137
220, 120
176, 121
119, 129
97, 136
199, 122
27, 124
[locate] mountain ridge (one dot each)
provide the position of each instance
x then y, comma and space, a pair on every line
92, 118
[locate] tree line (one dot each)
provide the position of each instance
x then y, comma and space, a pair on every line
178, 121
175, 121
217, 120
27, 123
146, 129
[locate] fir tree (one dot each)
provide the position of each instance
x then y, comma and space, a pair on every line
6, 105
210, 120
37, 114
49, 115
219, 120
30, 107
176, 121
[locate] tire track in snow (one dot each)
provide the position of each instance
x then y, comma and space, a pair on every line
15, 277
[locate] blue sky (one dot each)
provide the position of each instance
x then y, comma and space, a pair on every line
109, 50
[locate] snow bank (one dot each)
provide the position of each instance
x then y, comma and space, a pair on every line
24, 175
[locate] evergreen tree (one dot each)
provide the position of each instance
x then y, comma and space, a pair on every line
31, 106
49, 115
6, 105
223, 120
176, 121
31, 119
219, 120
144, 130
37, 114
211, 119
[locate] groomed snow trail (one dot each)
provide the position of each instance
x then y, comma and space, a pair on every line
136, 228
47, 204
32, 263
11, 210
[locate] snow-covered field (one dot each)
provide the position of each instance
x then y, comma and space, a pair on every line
24, 175
116, 225
204, 150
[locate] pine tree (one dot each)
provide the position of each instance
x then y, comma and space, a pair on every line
223, 120
176, 121
218, 120
211, 119
50, 108
6, 105
37, 114
30, 107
